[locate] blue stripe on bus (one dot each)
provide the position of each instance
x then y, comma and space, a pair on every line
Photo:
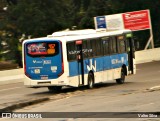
99, 64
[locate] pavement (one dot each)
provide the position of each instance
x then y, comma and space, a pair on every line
11, 76
13, 100
15, 95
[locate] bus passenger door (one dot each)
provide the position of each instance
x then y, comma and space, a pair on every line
131, 55
80, 62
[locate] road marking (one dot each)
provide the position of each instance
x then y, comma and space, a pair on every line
155, 87
9, 89
145, 104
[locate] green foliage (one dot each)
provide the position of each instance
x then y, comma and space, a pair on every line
39, 18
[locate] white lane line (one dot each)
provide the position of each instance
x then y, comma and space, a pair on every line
155, 87
9, 89
142, 105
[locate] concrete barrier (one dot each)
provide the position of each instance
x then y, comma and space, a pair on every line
11, 76
11, 72
149, 55
16, 75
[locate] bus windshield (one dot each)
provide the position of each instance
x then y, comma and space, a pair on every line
42, 48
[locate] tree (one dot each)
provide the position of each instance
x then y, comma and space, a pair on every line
12, 2
40, 18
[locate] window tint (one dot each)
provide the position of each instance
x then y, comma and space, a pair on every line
90, 50
71, 51
122, 44
105, 43
99, 49
85, 49
93, 47
96, 46
113, 45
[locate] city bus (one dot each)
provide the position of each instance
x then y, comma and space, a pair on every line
78, 58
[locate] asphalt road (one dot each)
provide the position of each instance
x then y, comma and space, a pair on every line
140, 93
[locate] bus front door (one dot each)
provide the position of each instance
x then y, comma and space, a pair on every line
80, 62
131, 55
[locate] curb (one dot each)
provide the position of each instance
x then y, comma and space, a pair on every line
11, 79
23, 104
11, 76
155, 88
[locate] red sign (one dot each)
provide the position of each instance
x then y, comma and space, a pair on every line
78, 42
137, 20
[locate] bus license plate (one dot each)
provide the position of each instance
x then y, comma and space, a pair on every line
44, 78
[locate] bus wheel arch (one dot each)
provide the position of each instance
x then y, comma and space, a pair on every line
91, 80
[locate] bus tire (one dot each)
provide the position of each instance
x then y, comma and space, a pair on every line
90, 81
54, 88
122, 79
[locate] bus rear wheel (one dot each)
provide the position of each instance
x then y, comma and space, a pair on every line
55, 88
90, 81
121, 80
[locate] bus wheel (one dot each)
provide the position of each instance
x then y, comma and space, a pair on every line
122, 79
90, 81
55, 88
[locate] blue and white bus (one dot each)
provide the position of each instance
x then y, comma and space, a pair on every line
77, 58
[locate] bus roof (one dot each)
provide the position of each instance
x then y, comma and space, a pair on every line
84, 34
80, 34
74, 33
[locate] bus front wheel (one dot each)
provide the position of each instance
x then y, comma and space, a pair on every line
55, 88
121, 80
90, 81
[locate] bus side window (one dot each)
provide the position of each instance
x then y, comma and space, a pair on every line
96, 47
99, 49
90, 50
93, 47
85, 49
113, 45
105, 43
71, 51
121, 44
